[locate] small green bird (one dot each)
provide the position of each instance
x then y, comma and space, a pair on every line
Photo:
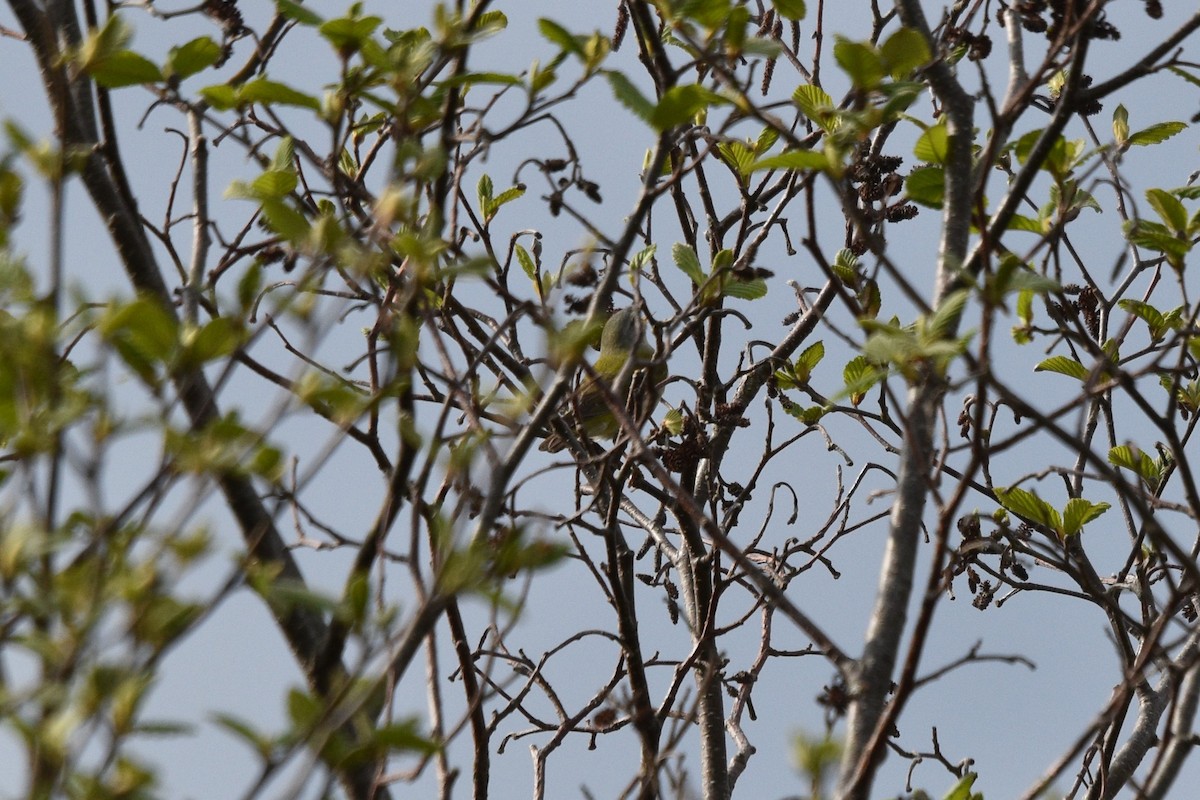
587, 412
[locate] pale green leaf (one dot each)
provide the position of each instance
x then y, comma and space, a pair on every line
789, 9
688, 262
1063, 366
904, 51
1156, 133
628, 95
188, 59
792, 159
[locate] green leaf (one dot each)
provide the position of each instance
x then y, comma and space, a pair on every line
483, 190
476, 78
860, 375
745, 290
1157, 237
845, 266
1156, 133
540, 78
218, 338
197, 55
948, 313
125, 68
1079, 512
274, 184
492, 20
934, 145
1063, 366
1069, 199
809, 416
628, 95
642, 258
301, 14
815, 103
1025, 305
898, 96
861, 61
1020, 222
286, 221
1014, 276
351, 33
962, 789
765, 141
144, 334
403, 737
507, 196
285, 154
1058, 161
1120, 126
904, 51
1140, 462
224, 446
737, 155
220, 96
1028, 505
688, 262
680, 104
560, 36
926, 186
304, 710
1169, 209
267, 92
792, 159
789, 9
263, 744
526, 261
807, 361
1158, 322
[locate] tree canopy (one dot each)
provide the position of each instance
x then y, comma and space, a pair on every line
883, 466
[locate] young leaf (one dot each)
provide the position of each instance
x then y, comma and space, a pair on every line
526, 262
1169, 209
792, 159
1079, 512
745, 290
560, 36
483, 192
948, 312
962, 789
125, 68
267, 92
860, 375
934, 145
814, 102
349, 34
789, 9
1156, 133
628, 95
808, 360
738, 156
1120, 126
188, 59
301, 14
1140, 462
861, 61
904, 51
686, 259
1063, 366
680, 104
926, 186
1026, 504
